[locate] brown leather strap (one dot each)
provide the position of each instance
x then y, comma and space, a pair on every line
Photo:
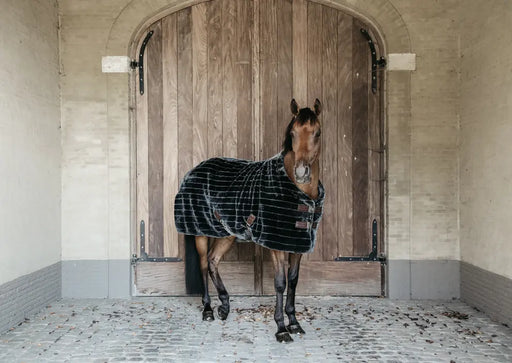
305, 225
303, 208
302, 225
251, 220
217, 215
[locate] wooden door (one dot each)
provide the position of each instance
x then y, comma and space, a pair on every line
219, 79
197, 105
313, 51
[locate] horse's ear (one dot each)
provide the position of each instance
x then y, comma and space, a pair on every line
318, 107
294, 107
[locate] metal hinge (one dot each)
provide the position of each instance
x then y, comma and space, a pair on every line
144, 257
381, 62
135, 259
140, 63
373, 256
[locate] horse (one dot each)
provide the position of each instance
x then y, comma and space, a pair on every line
276, 203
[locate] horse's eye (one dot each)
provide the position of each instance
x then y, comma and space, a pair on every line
293, 133
318, 133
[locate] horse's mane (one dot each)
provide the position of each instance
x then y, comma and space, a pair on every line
305, 115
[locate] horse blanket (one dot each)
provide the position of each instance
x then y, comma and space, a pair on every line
252, 200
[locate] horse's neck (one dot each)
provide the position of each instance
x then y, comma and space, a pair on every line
310, 189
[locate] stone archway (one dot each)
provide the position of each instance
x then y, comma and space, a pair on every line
386, 21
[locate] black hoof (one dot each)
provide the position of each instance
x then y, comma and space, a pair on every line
208, 315
222, 313
295, 329
284, 337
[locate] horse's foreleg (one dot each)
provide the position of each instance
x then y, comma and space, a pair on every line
220, 247
202, 250
278, 258
293, 278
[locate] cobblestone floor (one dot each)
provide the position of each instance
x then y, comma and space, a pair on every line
337, 328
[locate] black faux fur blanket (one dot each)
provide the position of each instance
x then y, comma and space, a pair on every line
254, 201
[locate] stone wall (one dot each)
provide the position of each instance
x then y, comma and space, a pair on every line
29, 137
485, 149
30, 153
422, 123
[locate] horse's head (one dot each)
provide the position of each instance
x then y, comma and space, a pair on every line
303, 138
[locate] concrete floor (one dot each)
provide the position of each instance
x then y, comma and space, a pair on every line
337, 328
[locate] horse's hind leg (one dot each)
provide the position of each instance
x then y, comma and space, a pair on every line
202, 250
293, 277
220, 247
282, 334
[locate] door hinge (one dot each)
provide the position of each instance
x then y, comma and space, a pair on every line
134, 64
376, 63
135, 259
373, 256
144, 257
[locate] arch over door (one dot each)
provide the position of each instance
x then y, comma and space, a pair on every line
219, 79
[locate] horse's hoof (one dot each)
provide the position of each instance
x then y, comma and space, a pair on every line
284, 337
208, 315
295, 329
222, 313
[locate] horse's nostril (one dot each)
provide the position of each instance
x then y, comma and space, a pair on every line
300, 171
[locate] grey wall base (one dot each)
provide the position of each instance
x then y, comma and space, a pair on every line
487, 291
96, 279
28, 294
423, 279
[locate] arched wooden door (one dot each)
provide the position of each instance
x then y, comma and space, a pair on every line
219, 77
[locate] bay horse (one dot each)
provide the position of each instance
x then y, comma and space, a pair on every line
276, 203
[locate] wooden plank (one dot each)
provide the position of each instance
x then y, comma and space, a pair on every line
155, 143
256, 92
330, 133
142, 156
185, 135
374, 154
168, 279
258, 250
315, 91
332, 278
199, 83
300, 53
243, 72
229, 122
268, 85
238, 277
382, 246
360, 141
245, 125
345, 203
284, 68
160, 279
268, 66
170, 131
215, 83
229, 112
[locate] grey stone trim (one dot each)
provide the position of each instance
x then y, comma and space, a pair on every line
26, 295
423, 279
487, 291
96, 279
399, 279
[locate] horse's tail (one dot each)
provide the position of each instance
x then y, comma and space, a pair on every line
193, 281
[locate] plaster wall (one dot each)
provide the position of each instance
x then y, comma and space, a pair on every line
422, 123
434, 125
486, 134
30, 151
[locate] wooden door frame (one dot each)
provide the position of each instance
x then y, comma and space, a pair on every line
256, 109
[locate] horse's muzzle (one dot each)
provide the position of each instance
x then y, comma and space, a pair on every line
302, 173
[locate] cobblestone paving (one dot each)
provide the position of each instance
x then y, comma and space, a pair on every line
337, 328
